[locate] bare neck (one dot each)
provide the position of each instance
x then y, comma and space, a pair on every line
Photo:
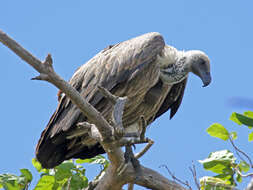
172, 63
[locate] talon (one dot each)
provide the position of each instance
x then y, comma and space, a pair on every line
129, 156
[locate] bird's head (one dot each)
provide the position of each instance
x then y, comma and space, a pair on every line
199, 64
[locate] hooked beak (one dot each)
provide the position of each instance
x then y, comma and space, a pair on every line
206, 78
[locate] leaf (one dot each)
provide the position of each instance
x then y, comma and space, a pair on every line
78, 182
27, 174
10, 181
219, 131
249, 114
227, 178
250, 138
234, 118
95, 160
64, 170
210, 183
219, 162
46, 182
61, 174
242, 119
36, 164
238, 178
10, 186
233, 135
244, 166
67, 165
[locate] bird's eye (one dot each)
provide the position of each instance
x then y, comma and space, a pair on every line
202, 62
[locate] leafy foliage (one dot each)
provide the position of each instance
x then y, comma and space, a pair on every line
228, 168
14, 182
68, 175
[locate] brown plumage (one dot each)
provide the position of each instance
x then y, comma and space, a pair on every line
127, 69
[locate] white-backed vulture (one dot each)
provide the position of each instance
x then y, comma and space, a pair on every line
151, 74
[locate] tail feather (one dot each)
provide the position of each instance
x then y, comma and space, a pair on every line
53, 151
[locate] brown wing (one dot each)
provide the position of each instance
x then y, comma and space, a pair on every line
111, 68
173, 99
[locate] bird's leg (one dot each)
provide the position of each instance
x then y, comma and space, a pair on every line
130, 157
117, 114
136, 137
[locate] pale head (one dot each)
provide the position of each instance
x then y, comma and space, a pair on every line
199, 64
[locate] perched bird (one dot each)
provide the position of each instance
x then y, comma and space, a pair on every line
149, 73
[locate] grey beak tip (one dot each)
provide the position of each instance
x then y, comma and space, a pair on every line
206, 84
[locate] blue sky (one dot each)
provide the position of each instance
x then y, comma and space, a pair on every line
74, 31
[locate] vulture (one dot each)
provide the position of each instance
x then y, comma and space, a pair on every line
151, 74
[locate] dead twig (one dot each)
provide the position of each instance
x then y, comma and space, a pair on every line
240, 151
186, 183
243, 175
144, 150
194, 174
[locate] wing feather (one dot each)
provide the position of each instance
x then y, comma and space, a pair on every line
173, 99
109, 68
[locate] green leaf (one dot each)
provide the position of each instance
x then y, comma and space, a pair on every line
210, 183
227, 178
11, 186
36, 164
67, 165
233, 118
46, 182
78, 182
233, 135
61, 174
95, 160
249, 114
238, 178
219, 162
10, 181
27, 174
64, 170
244, 166
219, 131
250, 138
242, 119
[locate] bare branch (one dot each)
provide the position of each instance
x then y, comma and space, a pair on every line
144, 150
153, 180
132, 141
108, 95
194, 174
243, 175
143, 124
186, 183
240, 151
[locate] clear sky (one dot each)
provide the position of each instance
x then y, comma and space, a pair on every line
74, 31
